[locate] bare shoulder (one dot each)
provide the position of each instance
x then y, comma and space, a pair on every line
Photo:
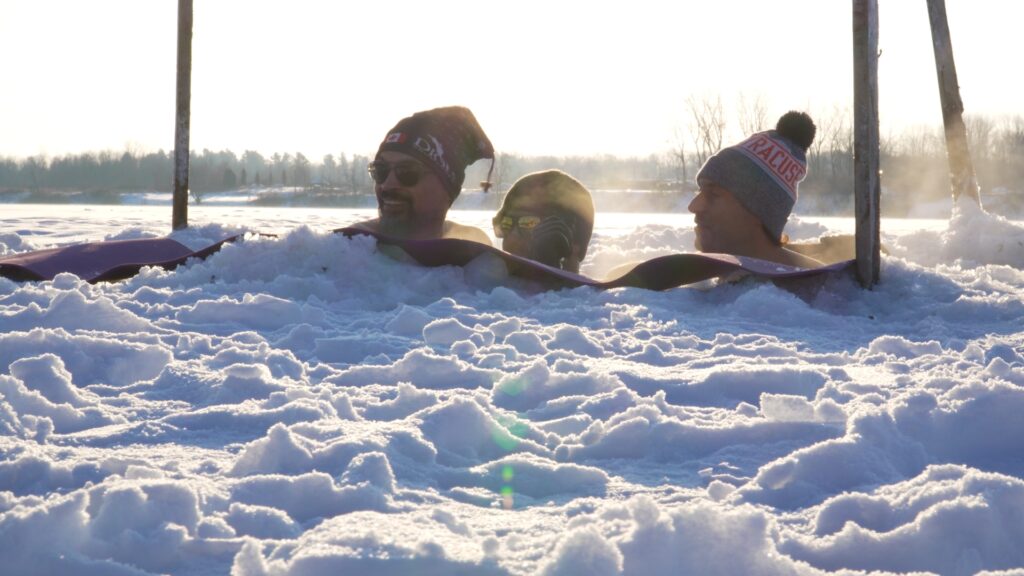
620, 270
463, 232
793, 258
368, 225
829, 249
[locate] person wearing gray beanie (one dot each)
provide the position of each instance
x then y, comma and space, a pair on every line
746, 193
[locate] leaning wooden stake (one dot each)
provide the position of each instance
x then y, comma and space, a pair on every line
179, 217
867, 186
961, 170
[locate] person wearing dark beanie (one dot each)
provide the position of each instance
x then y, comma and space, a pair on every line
418, 173
746, 193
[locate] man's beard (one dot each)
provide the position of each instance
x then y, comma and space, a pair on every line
395, 214
408, 224
398, 226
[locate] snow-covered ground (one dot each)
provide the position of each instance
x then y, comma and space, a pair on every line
306, 405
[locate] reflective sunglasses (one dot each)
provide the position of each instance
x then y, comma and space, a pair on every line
506, 224
407, 173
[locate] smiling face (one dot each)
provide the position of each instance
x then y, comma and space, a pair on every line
723, 224
410, 211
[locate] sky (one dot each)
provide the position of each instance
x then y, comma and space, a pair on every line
301, 404
561, 78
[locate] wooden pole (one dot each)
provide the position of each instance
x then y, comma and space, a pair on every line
867, 185
962, 178
179, 217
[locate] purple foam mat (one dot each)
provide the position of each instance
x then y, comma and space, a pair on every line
119, 259
659, 273
100, 261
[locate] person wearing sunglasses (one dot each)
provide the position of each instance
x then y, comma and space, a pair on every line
548, 217
418, 173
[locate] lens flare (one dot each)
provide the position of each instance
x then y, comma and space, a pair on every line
508, 432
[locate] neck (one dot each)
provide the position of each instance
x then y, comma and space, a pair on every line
427, 231
416, 231
764, 251
782, 255
759, 246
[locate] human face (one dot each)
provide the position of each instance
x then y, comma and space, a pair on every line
723, 224
527, 203
417, 211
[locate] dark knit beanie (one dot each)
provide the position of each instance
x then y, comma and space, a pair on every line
764, 171
446, 140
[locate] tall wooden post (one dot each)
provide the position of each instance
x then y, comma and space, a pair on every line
867, 186
179, 217
962, 178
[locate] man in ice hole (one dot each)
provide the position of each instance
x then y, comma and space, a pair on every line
418, 173
548, 217
746, 193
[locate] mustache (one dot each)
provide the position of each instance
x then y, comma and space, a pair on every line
393, 196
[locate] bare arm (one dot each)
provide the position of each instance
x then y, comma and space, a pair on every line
368, 225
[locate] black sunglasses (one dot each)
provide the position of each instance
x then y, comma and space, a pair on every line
407, 173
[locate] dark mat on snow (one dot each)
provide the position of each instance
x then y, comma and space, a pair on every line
659, 273
119, 259
100, 261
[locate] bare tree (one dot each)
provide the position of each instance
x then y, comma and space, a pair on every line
752, 113
707, 125
254, 163
839, 140
357, 175
980, 135
922, 141
1010, 140
344, 181
504, 168
819, 152
36, 167
301, 170
329, 172
677, 156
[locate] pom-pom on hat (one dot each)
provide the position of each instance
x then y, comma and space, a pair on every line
764, 171
446, 140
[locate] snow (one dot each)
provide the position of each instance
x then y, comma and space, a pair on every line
303, 404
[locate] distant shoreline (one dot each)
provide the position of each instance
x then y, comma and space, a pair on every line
619, 200
1001, 201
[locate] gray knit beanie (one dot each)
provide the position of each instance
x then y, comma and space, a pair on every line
764, 171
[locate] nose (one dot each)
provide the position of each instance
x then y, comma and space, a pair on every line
697, 204
389, 183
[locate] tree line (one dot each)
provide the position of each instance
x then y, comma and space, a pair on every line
209, 171
913, 162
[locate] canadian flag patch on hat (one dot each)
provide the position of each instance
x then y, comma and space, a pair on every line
395, 138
